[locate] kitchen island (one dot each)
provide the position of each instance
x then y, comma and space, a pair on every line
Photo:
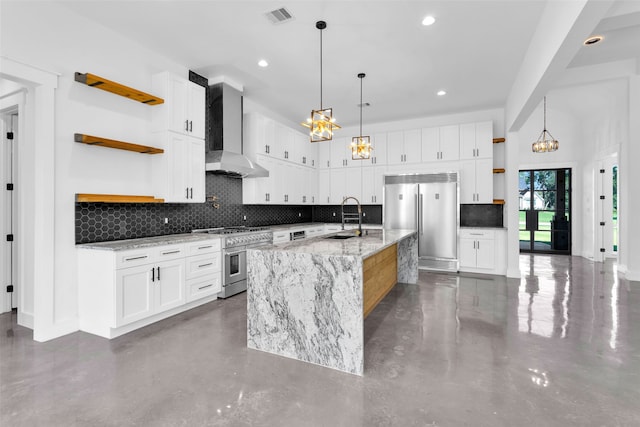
307, 299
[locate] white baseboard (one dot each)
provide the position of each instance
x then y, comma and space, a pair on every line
58, 329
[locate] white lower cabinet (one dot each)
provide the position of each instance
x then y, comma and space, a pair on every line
122, 290
482, 250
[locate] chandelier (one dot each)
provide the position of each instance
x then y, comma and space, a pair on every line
361, 145
546, 142
321, 123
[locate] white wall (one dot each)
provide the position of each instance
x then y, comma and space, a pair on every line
57, 40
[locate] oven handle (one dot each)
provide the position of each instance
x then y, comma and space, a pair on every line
234, 253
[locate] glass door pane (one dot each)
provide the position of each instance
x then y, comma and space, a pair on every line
545, 204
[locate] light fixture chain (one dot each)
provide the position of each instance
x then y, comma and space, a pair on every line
361, 106
544, 124
321, 70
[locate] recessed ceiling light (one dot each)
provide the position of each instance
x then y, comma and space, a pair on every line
442, 93
593, 40
263, 63
428, 20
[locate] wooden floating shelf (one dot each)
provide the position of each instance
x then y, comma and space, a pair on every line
498, 140
499, 170
112, 143
115, 198
117, 88
498, 201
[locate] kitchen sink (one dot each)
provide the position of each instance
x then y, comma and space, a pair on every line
341, 236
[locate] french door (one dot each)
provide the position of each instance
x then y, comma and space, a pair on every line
545, 211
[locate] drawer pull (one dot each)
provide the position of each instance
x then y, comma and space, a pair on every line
205, 247
177, 251
205, 265
205, 287
135, 257
477, 234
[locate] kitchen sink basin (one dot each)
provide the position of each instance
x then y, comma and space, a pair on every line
341, 236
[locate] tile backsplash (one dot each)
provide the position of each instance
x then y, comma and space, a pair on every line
98, 222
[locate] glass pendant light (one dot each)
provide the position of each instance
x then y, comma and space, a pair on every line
321, 123
361, 145
546, 142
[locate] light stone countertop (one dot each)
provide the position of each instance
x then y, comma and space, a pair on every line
371, 242
128, 244
315, 224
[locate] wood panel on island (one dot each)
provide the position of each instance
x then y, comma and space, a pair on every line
98, 82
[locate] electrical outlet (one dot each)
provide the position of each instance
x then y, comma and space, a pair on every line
244, 217
299, 215
166, 220
364, 214
334, 214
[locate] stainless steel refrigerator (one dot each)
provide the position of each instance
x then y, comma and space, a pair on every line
427, 203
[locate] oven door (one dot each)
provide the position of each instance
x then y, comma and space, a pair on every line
235, 266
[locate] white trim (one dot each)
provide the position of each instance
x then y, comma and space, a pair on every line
36, 172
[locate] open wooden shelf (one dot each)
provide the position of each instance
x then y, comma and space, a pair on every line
498, 201
499, 170
117, 88
115, 198
112, 143
498, 140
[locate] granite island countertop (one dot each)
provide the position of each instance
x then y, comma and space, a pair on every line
145, 242
369, 243
306, 298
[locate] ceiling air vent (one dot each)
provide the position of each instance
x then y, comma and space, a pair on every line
279, 16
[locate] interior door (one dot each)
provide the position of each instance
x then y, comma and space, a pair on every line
545, 209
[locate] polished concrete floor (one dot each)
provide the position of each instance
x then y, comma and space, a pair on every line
560, 347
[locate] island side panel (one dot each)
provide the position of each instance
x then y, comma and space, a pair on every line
408, 259
307, 307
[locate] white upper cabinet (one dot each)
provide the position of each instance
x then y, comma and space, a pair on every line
184, 108
324, 187
178, 174
440, 143
258, 135
379, 153
284, 146
324, 154
372, 184
476, 140
476, 181
404, 147
341, 153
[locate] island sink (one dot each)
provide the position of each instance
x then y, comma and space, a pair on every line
341, 236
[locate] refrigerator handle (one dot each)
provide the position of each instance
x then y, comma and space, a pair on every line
420, 216
417, 212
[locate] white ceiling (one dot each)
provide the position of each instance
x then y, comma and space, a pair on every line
473, 51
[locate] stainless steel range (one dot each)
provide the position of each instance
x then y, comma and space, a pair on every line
235, 242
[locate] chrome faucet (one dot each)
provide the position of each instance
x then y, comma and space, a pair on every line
346, 216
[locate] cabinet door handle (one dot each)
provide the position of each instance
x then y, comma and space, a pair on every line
177, 251
266, 149
478, 244
158, 272
135, 257
304, 160
313, 162
186, 125
190, 125
191, 192
205, 265
153, 274
187, 190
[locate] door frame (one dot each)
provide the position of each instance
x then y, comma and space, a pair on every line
574, 223
36, 168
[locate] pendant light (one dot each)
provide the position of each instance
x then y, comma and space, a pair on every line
361, 145
321, 123
546, 142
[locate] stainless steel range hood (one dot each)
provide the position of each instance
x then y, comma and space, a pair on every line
224, 135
